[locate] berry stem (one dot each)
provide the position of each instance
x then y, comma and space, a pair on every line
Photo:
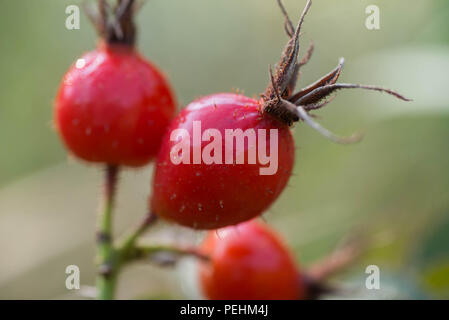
111, 259
129, 243
106, 254
149, 252
345, 254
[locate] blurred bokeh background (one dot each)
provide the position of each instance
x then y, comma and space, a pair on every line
394, 185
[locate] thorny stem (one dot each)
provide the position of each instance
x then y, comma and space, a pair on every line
105, 250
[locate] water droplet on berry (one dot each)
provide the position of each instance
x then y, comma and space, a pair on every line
80, 63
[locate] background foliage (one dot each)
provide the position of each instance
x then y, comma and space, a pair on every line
394, 186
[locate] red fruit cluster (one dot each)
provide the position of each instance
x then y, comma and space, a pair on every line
114, 107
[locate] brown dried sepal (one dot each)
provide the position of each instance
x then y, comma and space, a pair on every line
279, 99
115, 24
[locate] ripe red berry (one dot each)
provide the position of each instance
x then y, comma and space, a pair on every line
250, 262
210, 196
213, 193
113, 106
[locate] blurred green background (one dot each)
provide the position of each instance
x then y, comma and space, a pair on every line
394, 185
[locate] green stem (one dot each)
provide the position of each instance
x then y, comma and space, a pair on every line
139, 252
110, 258
129, 243
106, 287
106, 254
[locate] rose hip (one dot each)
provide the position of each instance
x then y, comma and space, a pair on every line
250, 262
209, 196
113, 106
214, 194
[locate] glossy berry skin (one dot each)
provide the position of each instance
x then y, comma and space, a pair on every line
248, 261
211, 196
113, 107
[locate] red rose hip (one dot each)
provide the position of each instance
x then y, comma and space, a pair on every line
194, 184
212, 192
114, 107
248, 262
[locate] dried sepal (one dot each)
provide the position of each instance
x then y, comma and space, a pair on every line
296, 73
103, 8
329, 78
288, 25
291, 111
287, 67
356, 137
114, 25
308, 54
322, 92
316, 106
279, 100
122, 23
139, 4
284, 111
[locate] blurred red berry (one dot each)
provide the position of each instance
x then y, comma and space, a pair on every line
248, 262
